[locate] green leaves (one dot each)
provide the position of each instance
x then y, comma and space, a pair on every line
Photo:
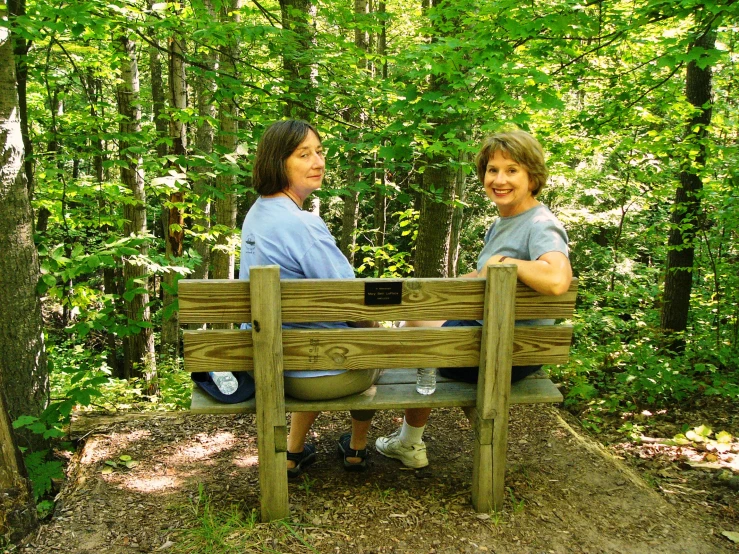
124, 461
41, 471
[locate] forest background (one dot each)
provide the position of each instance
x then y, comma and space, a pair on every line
129, 130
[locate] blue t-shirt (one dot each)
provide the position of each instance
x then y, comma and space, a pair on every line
277, 232
526, 236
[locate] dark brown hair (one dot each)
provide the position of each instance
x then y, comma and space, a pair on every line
278, 142
522, 148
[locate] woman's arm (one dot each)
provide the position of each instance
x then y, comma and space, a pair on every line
550, 274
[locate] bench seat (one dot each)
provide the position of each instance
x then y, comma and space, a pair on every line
396, 389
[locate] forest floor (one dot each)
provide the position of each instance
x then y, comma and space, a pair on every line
193, 485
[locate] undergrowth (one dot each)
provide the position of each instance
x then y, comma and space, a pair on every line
620, 363
232, 529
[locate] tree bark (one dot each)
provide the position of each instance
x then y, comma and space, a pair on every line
17, 506
686, 212
456, 225
380, 207
22, 356
350, 216
439, 186
138, 347
18, 8
205, 89
223, 256
111, 275
296, 16
174, 229
435, 219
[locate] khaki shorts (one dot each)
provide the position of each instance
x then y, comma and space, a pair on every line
327, 387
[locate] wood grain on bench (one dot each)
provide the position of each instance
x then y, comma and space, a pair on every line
268, 350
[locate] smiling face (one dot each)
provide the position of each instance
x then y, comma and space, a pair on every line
305, 167
508, 185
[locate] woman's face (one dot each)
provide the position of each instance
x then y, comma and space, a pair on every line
508, 185
305, 166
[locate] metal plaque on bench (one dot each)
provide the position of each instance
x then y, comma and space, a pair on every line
380, 294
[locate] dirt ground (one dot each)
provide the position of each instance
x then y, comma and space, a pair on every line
566, 492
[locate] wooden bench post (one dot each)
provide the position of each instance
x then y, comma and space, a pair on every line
270, 392
490, 416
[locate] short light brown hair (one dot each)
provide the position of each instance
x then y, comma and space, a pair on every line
522, 148
279, 141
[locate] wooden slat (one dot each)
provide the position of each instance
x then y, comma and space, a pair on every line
231, 350
395, 396
309, 300
213, 301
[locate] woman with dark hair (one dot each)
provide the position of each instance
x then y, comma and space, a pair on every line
288, 167
512, 171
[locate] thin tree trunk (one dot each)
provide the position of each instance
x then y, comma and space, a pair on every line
174, 231
380, 208
138, 347
222, 256
17, 8
686, 213
457, 215
111, 277
350, 217
205, 89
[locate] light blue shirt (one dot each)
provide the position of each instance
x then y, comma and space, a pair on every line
277, 232
526, 236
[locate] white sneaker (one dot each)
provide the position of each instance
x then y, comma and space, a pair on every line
412, 455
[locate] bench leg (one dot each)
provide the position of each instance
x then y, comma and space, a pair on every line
273, 493
489, 462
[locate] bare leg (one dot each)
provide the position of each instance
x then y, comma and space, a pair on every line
359, 437
300, 423
417, 417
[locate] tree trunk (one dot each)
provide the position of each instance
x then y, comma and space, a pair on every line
439, 185
138, 347
686, 213
225, 205
456, 226
17, 506
380, 208
435, 220
111, 275
350, 217
174, 229
205, 89
22, 357
296, 16
17, 8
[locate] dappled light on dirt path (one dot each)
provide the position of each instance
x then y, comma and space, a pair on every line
565, 494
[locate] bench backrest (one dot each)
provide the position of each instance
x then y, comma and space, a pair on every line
309, 300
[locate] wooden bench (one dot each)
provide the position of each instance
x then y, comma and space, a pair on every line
268, 350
